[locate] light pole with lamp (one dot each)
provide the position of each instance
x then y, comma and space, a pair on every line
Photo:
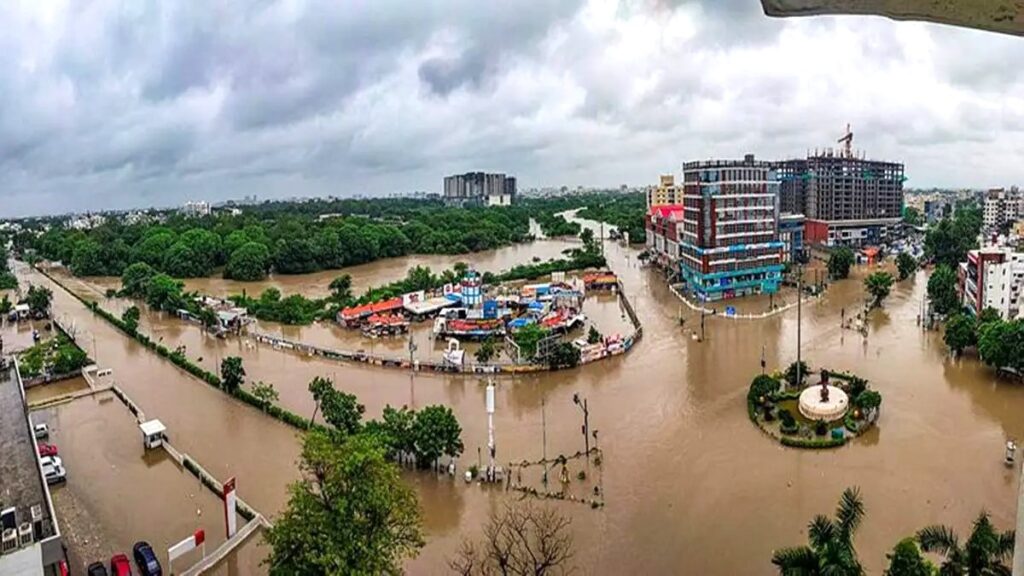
582, 403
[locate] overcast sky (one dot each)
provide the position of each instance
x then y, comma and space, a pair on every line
107, 104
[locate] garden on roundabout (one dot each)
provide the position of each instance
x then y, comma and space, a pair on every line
827, 413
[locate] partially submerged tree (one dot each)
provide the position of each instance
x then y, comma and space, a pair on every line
350, 513
232, 374
839, 262
830, 550
983, 554
520, 540
265, 393
942, 292
961, 333
906, 560
878, 285
906, 265
130, 317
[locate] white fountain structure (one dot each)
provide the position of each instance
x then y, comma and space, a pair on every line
823, 402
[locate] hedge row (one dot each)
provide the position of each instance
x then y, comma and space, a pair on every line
798, 442
179, 360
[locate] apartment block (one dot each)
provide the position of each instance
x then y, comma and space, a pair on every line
480, 189
993, 277
665, 193
1002, 207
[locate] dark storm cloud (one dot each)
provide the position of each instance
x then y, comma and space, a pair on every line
105, 103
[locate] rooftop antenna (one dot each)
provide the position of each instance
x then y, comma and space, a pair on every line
847, 142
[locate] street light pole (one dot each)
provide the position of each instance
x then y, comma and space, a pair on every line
799, 318
586, 420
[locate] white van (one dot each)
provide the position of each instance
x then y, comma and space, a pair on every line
52, 461
41, 431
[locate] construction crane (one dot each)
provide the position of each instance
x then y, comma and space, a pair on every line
847, 142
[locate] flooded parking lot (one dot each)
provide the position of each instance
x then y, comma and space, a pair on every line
117, 493
691, 485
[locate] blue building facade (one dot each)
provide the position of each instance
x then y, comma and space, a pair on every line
729, 242
791, 234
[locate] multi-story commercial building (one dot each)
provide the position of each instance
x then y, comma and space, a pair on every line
196, 209
663, 231
846, 198
480, 188
728, 237
1002, 207
665, 193
993, 277
791, 234
31, 539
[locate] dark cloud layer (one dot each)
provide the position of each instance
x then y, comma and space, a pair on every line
106, 104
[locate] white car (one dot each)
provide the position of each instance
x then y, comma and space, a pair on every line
53, 461
54, 474
41, 431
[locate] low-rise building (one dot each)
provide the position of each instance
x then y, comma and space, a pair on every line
663, 225
31, 541
993, 277
196, 209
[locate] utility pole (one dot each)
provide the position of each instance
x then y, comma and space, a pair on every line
586, 420
490, 429
702, 321
544, 441
799, 311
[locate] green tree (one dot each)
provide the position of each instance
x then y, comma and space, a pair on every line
6, 306
87, 259
988, 315
250, 262
265, 393
153, 248
135, 280
983, 554
906, 560
791, 371
38, 299
343, 411
948, 242
878, 285
587, 236
527, 339
869, 401
1001, 344
839, 262
350, 513
563, 355
130, 317
912, 216
942, 292
961, 333
593, 336
341, 288
830, 551
396, 428
319, 388
905, 265
436, 432
208, 317
69, 358
232, 374
181, 261
486, 352
165, 293
762, 386
206, 246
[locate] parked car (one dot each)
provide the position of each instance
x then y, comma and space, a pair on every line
146, 559
119, 566
47, 449
42, 431
53, 461
54, 474
96, 569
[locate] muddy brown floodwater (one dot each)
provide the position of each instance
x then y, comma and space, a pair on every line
691, 486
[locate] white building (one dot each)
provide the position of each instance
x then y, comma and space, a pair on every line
196, 209
993, 277
86, 222
1002, 207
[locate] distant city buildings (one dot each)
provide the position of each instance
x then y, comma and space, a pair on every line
1002, 208
728, 238
666, 192
196, 209
993, 277
86, 222
480, 189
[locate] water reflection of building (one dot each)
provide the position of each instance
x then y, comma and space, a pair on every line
31, 540
728, 239
993, 277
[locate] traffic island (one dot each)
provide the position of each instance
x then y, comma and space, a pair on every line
826, 414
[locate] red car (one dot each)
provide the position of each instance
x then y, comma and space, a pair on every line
47, 450
119, 566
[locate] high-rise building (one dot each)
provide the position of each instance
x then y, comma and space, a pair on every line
480, 188
666, 192
846, 198
1002, 207
728, 239
993, 277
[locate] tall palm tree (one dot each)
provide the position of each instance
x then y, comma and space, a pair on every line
830, 551
982, 555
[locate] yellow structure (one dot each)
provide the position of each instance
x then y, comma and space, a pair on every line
665, 192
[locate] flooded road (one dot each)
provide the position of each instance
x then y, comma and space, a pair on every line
691, 486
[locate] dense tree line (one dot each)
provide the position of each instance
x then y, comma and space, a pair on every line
623, 211
288, 238
7, 278
948, 241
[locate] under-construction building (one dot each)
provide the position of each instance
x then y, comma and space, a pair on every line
728, 238
846, 198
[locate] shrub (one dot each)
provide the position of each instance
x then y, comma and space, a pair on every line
816, 443
762, 386
820, 428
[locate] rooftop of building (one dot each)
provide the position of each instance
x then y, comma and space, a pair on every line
748, 161
21, 482
665, 210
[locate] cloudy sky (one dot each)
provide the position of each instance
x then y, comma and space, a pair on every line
106, 104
